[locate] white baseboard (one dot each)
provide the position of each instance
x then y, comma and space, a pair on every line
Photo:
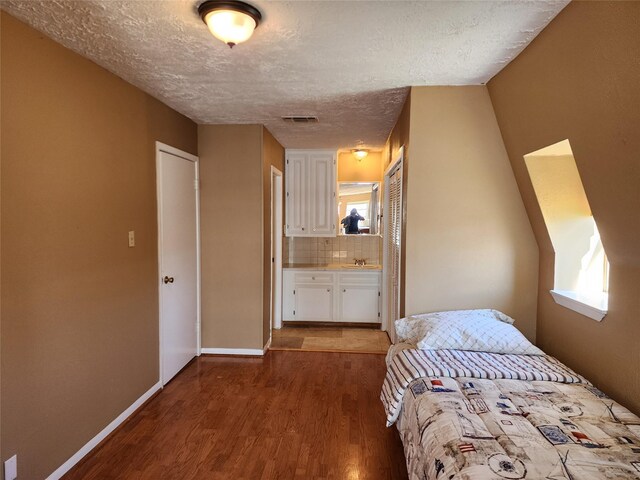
79, 455
233, 351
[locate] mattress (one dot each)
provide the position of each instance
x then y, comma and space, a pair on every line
481, 416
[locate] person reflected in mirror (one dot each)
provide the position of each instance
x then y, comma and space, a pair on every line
350, 222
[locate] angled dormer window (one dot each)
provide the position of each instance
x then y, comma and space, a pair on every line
581, 266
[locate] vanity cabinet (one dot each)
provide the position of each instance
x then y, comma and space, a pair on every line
359, 297
313, 303
331, 296
310, 177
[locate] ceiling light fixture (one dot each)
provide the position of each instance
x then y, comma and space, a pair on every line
360, 153
231, 21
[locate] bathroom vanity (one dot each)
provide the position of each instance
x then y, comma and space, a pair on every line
332, 293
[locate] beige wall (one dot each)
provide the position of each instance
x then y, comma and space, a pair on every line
272, 155
579, 80
231, 235
350, 169
468, 240
80, 312
235, 206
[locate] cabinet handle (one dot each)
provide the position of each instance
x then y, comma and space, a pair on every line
303, 229
313, 278
344, 291
328, 290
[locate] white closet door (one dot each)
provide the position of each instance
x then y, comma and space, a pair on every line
393, 242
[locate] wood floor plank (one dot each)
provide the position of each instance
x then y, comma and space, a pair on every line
289, 415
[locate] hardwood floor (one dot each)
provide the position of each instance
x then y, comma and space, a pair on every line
331, 339
289, 415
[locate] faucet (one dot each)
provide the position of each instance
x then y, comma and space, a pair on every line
360, 261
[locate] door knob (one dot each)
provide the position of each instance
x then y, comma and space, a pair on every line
167, 280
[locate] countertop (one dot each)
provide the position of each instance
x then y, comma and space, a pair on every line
345, 267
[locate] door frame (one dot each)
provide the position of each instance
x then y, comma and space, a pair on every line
395, 164
161, 147
277, 229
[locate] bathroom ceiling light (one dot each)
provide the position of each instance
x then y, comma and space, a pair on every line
231, 21
360, 153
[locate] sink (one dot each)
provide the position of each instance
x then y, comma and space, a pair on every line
360, 267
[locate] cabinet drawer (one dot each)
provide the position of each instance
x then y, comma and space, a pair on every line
364, 278
314, 278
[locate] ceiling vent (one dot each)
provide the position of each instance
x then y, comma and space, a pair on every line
300, 119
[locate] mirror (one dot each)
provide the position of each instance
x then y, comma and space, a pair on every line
364, 198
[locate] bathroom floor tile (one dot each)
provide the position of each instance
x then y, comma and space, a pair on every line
358, 340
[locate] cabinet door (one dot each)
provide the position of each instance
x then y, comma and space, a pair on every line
360, 304
297, 204
322, 189
314, 302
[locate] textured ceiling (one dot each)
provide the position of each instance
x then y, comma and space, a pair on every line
349, 63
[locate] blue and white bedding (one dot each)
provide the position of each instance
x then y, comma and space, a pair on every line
479, 416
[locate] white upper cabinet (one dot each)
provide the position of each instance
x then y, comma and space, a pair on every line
322, 204
297, 207
311, 193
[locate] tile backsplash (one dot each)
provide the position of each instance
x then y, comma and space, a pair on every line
323, 250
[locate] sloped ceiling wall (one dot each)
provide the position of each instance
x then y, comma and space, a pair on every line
579, 80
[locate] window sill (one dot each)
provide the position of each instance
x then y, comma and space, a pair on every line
593, 306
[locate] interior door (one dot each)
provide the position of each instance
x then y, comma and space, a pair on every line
276, 248
178, 227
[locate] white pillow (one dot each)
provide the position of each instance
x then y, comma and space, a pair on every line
475, 330
413, 328
410, 330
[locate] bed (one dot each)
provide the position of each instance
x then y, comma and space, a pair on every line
469, 414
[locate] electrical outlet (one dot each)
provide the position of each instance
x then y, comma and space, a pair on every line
11, 468
132, 238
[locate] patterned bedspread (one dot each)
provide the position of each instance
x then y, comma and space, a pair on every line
472, 416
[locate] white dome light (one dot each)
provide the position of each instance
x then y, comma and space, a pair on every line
360, 153
231, 21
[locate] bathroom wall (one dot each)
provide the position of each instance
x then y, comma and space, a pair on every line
342, 249
369, 169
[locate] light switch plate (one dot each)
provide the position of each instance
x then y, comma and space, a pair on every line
132, 238
11, 468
